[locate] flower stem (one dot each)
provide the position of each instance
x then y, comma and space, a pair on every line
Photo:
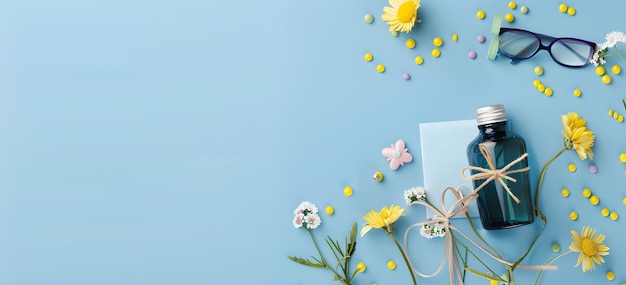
322, 256
541, 176
406, 260
550, 262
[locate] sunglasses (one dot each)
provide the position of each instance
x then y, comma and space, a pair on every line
518, 44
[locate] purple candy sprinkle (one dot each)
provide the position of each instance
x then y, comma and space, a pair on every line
406, 76
472, 54
593, 168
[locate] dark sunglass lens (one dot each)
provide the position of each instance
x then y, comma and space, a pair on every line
518, 44
571, 52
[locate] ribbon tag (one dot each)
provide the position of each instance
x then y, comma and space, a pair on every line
493, 173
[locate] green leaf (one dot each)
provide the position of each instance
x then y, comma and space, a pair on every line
336, 278
483, 275
624, 102
306, 261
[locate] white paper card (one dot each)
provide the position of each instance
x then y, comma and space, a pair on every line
444, 155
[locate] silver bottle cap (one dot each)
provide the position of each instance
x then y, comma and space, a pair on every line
490, 114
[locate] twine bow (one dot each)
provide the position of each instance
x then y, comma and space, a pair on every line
493, 173
443, 217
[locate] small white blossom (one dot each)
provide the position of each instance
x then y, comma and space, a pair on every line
614, 37
414, 194
298, 220
425, 231
307, 207
432, 231
312, 220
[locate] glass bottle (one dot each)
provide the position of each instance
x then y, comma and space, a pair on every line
497, 209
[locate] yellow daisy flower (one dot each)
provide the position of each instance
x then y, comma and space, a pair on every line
590, 246
577, 136
383, 219
402, 15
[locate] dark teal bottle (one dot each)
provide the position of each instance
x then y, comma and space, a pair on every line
497, 209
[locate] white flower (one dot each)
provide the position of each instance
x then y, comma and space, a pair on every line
437, 230
312, 220
425, 231
414, 194
614, 37
307, 207
298, 220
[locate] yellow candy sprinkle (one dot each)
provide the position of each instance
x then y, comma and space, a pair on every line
509, 17
624, 201
436, 52
361, 266
368, 57
523, 9
419, 60
562, 8
616, 69
571, 167
611, 112
556, 247
571, 11
368, 18
577, 92
512, 5
437, 41
493, 282
391, 265
378, 176
329, 210
410, 43
565, 192
455, 38
380, 68
480, 14
622, 157
536, 83
605, 212
610, 275
594, 200
573, 216
548, 92
615, 115
538, 70
606, 79
347, 191
620, 118
395, 34
541, 88
614, 216
586, 193
600, 70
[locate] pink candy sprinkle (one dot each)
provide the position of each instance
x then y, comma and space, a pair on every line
593, 168
472, 54
480, 39
406, 76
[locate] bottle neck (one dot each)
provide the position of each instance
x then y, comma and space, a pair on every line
493, 130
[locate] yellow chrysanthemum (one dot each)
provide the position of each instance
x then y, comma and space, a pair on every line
402, 15
383, 219
577, 136
590, 246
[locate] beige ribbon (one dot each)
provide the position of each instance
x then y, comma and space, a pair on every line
458, 208
495, 174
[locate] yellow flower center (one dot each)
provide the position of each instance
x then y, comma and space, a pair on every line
406, 12
588, 247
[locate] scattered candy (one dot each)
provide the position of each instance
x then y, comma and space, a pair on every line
329, 210
455, 38
509, 17
538, 70
512, 5
562, 8
368, 57
616, 69
606, 79
472, 55
617, 116
622, 157
397, 155
395, 34
380, 68
577, 92
436, 53
573, 216
406, 76
594, 200
437, 41
565, 192
586, 193
548, 91
600, 70
368, 18
614, 216
378, 176
536, 83
556, 247
419, 60
523, 9
571, 167
347, 191
391, 265
410, 43
593, 169
541, 87
481, 39
361, 266
480, 14
624, 201
571, 11
605, 212
610, 275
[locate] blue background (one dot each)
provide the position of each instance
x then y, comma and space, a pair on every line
168, 142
